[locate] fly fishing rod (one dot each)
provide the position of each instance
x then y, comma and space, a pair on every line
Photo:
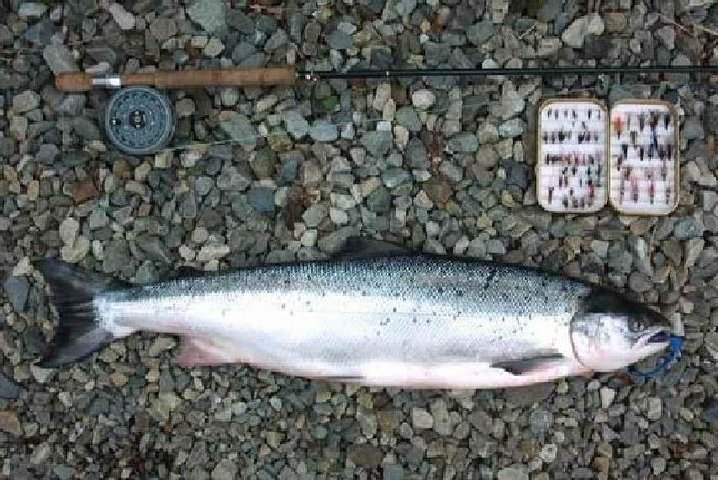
275, 76
139, 119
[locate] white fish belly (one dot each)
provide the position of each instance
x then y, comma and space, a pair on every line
367, 339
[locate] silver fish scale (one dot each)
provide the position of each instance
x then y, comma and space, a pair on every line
418, 309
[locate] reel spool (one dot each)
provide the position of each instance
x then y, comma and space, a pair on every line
139, 120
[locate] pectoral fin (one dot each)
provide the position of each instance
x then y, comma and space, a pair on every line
523, 366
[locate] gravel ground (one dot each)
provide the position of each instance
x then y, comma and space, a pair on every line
442, 165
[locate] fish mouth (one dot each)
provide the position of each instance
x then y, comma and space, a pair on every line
655, 337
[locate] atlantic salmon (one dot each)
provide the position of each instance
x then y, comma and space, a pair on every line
374, 314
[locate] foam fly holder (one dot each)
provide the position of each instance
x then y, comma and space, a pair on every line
643, 157
572, 165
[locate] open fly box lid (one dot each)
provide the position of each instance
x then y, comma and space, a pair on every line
572, 165
643, 156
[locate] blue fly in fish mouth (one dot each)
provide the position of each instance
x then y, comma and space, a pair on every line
660, 337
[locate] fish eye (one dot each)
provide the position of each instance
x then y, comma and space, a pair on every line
636, 325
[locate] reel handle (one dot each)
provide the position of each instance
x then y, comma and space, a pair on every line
248, 77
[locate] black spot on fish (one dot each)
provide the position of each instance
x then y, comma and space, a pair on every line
459, 293
413, 320
287, 282
385, 322
393, 309
440, 289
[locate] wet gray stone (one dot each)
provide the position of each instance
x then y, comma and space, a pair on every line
225, 470
262, 199
86, 128
16, 289
415, 153
323, 131
576, 33
512, 473
480, 32
540, 421
72, 105
276, 41
487, 156
549, 10
688, 228
451, 171
334, 241
512, 128
25, 101
463, 142
365, 455
9, 389
163, 28
239, 128
295, 123
395, 177
692, 129
339, 40
379, 200
154, 248
59, 58
667, 36
40, 33
117, 255
392, 471
407, 117
377, 143
209, 14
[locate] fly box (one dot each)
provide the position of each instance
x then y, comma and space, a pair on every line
643, 156
572, 165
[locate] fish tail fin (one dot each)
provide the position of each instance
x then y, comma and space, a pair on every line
79, 332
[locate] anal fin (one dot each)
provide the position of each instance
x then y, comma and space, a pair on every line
202, 352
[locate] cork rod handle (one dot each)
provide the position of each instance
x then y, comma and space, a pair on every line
249, 77
73, 82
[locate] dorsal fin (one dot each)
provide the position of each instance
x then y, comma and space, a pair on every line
187, 271
362, 247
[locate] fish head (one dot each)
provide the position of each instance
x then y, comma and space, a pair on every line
612, 332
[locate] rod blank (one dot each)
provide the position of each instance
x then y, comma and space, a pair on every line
512, 72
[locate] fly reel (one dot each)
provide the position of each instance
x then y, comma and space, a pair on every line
139, 120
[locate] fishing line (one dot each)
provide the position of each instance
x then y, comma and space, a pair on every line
675, 347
